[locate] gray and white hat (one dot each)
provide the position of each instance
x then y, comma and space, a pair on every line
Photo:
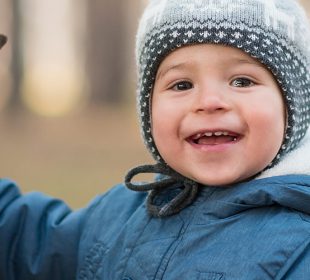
276, 32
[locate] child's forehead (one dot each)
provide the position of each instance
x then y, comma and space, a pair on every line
188, 55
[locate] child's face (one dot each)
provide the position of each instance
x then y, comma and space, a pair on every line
217, 114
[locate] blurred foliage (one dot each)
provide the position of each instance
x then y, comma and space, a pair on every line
69, 128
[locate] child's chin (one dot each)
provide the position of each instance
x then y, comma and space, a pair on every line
224, 182
219, 182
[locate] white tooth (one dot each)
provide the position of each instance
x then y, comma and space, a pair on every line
197, 136
225, 133
208, 134
218, 133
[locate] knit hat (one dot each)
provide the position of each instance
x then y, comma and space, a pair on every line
276, 32
3, 40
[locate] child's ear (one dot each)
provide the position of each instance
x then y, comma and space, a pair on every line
3, 40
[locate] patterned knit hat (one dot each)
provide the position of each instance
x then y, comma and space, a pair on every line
276, 32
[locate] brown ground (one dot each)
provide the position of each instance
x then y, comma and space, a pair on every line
74, 157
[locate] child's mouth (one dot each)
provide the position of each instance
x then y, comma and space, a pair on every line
214, 138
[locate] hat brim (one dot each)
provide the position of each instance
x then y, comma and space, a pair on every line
3, 40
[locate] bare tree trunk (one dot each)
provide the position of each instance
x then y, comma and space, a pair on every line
17, 56
106, 63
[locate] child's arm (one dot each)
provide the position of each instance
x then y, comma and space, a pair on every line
39, 236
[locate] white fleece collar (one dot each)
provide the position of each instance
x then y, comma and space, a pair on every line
295, 162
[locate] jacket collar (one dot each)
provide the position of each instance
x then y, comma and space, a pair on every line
289, 191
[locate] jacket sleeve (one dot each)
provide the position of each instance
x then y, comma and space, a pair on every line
39, 236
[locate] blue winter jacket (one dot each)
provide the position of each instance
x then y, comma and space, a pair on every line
258, 229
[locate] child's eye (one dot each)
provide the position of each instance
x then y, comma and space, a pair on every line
242, 82
181, 86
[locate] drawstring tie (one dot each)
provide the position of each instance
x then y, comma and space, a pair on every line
186, 189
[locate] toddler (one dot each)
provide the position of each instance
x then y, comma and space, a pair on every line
224, 104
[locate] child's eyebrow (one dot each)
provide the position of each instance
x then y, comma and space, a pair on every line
181, 65
164, 71
251, 62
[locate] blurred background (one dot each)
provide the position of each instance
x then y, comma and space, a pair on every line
68, 122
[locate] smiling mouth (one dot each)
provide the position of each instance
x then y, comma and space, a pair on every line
214, 138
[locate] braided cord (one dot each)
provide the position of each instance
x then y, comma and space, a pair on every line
185, 197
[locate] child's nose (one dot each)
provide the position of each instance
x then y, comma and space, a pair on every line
211, 99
